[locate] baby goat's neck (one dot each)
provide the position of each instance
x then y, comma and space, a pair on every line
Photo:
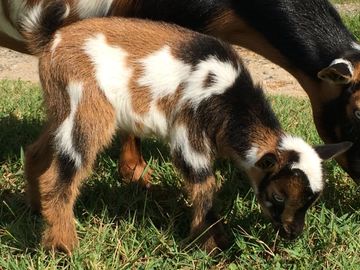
239, 119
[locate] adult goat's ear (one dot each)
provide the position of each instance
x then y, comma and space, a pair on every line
267, 162
328, 151
340, 71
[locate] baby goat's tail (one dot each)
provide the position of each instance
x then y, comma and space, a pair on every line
41, 21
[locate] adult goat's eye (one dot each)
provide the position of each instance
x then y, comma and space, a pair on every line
277, 198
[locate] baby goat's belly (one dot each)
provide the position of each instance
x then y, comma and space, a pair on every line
153, 122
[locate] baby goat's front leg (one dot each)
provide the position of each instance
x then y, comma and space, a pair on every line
132, 166
201, 188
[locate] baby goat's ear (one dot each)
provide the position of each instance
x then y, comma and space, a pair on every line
328, 151
267, 162
339, 72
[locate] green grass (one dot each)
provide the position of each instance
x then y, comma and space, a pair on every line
352, 19
353, 24
345, 1
123, 227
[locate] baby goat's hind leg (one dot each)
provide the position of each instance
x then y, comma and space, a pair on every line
132, 166
93, 128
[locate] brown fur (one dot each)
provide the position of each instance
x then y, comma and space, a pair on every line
166, 104
230, 27
123, 8
8, 42
132, 165
58, 195
356, 76
57, 179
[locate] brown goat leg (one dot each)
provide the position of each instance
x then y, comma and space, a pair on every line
205, 228
57, 201
132, 166
58, 180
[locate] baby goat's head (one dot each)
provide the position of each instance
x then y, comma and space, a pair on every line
289, 180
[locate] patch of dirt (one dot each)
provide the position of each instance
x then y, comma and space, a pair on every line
14, 65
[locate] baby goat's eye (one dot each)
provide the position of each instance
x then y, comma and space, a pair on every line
277, 198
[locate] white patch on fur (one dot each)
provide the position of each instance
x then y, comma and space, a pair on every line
63, 135
344, 61
5, 25
309, 162
31, 17
113, 76
356, 46
179, 139
225, 75
93, 8
163, 73
155, 122
56, 42
67, 11
251, 157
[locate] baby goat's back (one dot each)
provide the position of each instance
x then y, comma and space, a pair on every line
149, 72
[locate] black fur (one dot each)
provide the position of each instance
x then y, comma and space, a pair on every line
203, 47
309, 33
66, 168
242, 107
192, 14
51, 19
191, 175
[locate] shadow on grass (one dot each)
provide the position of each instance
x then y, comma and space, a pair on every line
16, 134
342, 197
19, 226
163, 204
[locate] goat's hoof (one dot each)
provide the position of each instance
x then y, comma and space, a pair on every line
139, 173
60, 241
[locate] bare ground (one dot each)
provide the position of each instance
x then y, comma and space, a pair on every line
15, 65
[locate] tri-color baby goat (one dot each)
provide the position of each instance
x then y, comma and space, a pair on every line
142, 79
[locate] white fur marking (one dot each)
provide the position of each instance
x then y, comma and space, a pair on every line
67, 11
113, 76
344, 61
56, 42
309, 163
225, 75
356, 46
251, 157
93, 8
180, 141
63, 135
163, 73
31, 19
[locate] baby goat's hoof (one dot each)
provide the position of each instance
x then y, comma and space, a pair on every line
60, 241
214, 243
212, 239
139, 173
